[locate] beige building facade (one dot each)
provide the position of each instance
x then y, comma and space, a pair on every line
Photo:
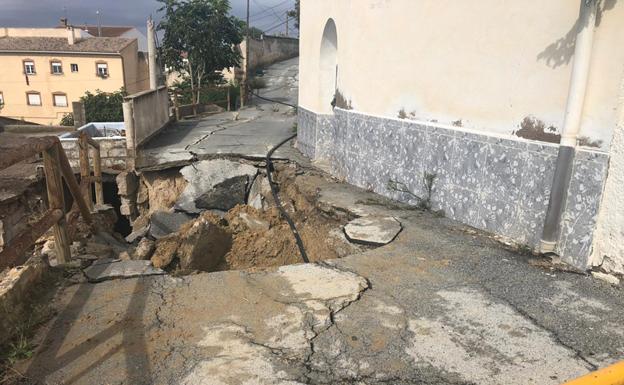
45, 70
477, 93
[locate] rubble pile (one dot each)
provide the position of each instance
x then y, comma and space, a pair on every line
212, 215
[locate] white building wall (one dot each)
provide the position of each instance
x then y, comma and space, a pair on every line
484, 65
488, 63
608, 250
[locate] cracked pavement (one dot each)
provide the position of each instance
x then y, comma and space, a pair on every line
250, 132
442, 304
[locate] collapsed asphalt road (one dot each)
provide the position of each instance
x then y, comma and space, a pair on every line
441, 304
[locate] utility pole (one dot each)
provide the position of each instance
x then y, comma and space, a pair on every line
151, 54
99, 23
286, 23
246, 74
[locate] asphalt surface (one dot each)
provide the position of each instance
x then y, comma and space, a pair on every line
441, 304
249, 132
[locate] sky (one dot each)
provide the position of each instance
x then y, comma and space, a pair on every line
265, 14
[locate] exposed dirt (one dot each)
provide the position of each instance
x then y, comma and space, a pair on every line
254, 248
160, 189
259, 238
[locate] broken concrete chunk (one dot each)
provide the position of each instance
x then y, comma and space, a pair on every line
258, 191
103, 238
138, 234
100, 249
120, 269
203, 246
127, 183
225, 195
373, 230
165, 251
163, 223
128, 206
86, 257
253, 224
144, 249
613, 280
208, 180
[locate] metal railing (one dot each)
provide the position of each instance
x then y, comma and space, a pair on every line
56, 168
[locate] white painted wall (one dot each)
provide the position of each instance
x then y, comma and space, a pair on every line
489, 63
609, 237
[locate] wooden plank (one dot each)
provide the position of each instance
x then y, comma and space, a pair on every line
15, 150
85, 169
13, 253
54, 185
97, 173
92, 142
74, 189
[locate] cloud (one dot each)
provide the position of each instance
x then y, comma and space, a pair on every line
46, 13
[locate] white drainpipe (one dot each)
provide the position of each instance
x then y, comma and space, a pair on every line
571, 125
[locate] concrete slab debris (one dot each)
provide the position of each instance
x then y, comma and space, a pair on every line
163, 223
259, 189
613, 280
254, 224
127, 183
208, 183
144, 249
104, 271
225, 195
137, 234
373, 230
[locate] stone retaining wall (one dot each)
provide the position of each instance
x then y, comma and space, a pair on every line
497, 184
112, 151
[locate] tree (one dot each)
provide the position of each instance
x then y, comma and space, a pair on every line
200, 40
104, 106
295, 14
100, 107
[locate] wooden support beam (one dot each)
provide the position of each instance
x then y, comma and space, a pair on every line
56, 201
97, 176
15, 150
92, 142
85, 169
13, 253
70, 179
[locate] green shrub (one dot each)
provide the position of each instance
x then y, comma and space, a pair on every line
67, 120
104, 106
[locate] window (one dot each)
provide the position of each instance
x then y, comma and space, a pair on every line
56, 68
29, 67
1, 99
74, 67
59, 99
102, 70
33, 98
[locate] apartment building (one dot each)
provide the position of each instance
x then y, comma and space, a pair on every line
44, 70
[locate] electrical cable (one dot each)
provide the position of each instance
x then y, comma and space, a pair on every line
267, 9
272, 100
280, 207
273, 27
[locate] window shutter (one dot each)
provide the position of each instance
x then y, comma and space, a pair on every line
34, 99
